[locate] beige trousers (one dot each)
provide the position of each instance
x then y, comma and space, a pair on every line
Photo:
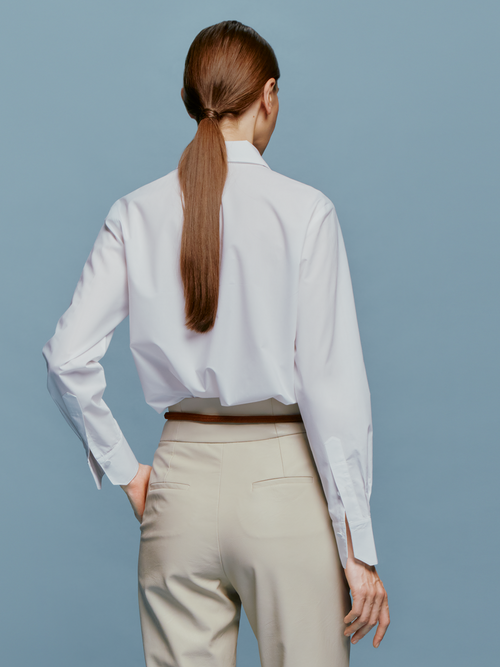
235, 514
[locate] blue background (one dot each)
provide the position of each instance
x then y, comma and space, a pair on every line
391, 108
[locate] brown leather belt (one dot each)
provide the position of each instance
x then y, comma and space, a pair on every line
251, 419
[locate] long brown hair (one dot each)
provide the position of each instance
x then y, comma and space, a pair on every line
226, 69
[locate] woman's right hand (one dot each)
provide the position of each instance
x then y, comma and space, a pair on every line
369, 599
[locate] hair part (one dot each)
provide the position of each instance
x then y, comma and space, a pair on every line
226, 69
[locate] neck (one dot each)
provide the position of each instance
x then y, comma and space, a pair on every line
243, 128
237, 132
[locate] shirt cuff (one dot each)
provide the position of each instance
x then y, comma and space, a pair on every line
120, 465
363, 543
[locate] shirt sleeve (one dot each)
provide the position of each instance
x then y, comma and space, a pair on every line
75, 378
331, 383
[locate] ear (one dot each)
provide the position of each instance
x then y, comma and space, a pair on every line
268, 95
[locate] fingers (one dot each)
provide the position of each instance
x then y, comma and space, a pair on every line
384, 620
362, 607
370, 606
358, 600
369, 616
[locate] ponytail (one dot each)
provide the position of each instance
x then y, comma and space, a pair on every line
226, 68
202, 173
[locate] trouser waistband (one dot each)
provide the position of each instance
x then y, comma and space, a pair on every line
220, 431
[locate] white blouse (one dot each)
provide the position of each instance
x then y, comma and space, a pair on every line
286, 327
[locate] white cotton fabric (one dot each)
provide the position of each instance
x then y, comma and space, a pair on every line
286, 327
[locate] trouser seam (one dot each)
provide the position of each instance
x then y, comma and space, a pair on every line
279, 443
218, 514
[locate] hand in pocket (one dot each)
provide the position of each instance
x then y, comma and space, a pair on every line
137, 490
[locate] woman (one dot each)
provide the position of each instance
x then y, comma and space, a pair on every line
243, 329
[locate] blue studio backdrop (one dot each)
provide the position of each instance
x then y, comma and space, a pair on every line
390, 108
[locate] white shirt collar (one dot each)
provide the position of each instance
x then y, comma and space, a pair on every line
244, 151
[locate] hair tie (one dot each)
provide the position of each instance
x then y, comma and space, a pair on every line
210, 113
